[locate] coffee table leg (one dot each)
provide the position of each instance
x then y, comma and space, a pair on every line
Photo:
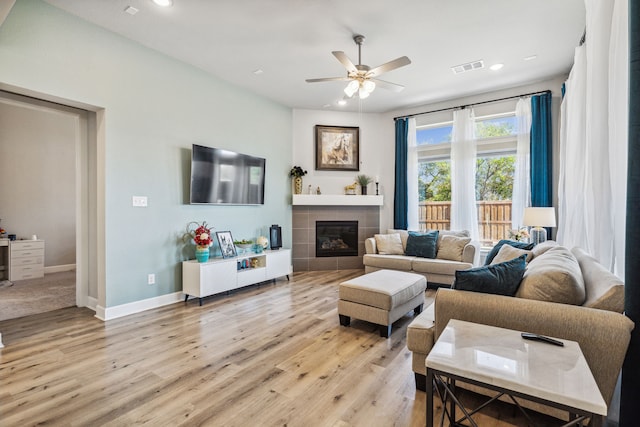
429, 390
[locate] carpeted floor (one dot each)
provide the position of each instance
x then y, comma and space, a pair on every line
26, 297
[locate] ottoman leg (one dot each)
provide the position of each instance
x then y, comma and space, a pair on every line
418, 310
385, 331
344, 320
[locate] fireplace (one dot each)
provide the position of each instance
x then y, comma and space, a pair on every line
336, 238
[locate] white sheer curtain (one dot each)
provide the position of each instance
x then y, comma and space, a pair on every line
593, 138
412, 177
522, 178
464, 215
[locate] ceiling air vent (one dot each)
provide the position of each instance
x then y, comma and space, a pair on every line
469, 66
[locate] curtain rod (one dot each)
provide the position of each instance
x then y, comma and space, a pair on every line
471, 105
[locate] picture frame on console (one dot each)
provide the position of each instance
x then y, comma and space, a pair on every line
337, 148
225, 240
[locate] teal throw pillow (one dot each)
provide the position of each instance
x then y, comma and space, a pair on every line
422, 244
500, 279
494, 251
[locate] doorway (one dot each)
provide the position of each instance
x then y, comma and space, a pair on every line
48, 157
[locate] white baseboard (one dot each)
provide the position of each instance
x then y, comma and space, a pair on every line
92, 303
109, 313
1, 345
59, 268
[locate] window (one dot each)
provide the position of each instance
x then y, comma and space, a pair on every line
495, 167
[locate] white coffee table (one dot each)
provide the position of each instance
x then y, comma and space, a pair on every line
501, 360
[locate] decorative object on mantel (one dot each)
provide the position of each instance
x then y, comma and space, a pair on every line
201, 235
337, 148
318, 192
539, 217
519, 235
363, 180
297, 173
351, 189
377, 183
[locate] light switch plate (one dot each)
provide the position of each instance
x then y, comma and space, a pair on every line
139, 201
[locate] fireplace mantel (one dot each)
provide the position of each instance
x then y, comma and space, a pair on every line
336, 200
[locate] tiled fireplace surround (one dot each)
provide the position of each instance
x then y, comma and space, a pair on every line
304, 235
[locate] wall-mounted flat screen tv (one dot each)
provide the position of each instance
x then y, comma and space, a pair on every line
223, 177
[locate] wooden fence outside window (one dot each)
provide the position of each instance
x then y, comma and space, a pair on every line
494, 219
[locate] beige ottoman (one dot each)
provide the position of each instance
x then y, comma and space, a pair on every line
381, 297
420, 340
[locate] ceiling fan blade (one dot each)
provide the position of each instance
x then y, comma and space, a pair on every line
388, 85
391, 65
328, 79
344, 60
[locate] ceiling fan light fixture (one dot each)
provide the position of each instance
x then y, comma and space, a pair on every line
369, 86
351, 88
362, 93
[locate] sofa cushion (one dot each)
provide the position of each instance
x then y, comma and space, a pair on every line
604, 290
501, 279
494, 251
392, 262
438, 266
508, 252
442, 233
451, 247
554, 276
543, 247
422, 244
389, 244
404, 236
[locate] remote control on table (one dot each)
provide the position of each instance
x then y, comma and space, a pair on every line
536, 337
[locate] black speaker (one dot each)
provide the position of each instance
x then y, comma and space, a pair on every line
275, 236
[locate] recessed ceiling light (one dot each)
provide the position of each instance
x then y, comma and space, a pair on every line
258, 71
131, 10
496, 67
342, 102
529, 58
163, 3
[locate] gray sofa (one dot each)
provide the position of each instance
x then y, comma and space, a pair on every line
436, 270
597, 324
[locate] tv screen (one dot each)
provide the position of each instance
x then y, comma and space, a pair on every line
226, 177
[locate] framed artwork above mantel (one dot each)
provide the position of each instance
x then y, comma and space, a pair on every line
337, 148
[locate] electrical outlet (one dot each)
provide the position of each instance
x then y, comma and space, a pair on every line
139, 201
151, 279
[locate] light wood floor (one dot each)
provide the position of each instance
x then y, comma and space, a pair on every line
268, 356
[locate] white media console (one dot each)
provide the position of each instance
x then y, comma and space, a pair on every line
201, 279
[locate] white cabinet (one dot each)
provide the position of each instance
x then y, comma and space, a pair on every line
201, 279
26, 259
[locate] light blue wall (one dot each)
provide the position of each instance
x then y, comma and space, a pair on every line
155, 107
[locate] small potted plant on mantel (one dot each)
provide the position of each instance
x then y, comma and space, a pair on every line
363, 180
297, 173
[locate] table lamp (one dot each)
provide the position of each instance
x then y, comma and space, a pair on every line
538, 218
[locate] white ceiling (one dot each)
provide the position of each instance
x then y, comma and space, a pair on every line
292, 40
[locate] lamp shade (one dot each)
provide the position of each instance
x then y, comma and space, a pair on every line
539, 217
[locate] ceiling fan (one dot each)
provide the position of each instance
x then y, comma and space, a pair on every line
362, 78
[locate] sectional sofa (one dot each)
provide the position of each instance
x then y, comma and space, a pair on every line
564, 293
